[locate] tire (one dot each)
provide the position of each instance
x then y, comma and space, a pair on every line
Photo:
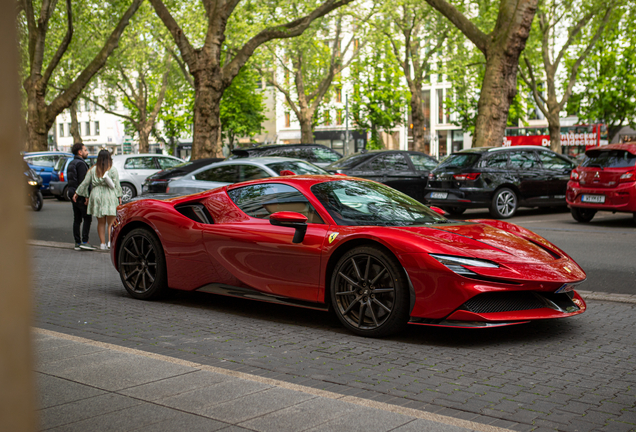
582, 214
140, 252
357, 279
454, 210
128, 192
634, 215
504, 204
37, 200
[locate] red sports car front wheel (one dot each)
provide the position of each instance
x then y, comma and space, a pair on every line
369, 292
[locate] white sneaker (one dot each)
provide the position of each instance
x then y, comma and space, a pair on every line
108, 245
103, 246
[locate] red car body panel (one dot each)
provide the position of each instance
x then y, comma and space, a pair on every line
619, 196
241, 251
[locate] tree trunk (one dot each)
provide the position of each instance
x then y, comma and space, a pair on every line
38, 124
418, 120
497, 92
75, 132
306, 127
144, 142
207, 111
554, 126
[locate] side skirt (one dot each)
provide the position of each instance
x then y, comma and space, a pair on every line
251, 294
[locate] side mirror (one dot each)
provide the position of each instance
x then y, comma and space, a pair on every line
438, 210
291, 220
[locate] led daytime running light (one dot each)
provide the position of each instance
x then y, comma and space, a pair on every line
455, 261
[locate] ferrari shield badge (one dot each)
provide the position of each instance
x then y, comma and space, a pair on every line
332, 237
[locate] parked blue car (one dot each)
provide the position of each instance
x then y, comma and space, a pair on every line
43, 163
59, 187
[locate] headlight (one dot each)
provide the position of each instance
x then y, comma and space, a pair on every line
456, 263
32, 183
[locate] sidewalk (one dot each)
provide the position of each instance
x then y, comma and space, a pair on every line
92, 386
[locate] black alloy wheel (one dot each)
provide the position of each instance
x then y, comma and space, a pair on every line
582, 214
504, 204
369, 292
37, 200
142, 265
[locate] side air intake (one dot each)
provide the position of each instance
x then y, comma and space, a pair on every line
197, 212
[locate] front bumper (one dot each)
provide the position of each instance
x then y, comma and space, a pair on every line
619, 199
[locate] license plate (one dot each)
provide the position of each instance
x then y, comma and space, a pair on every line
593, 198
439, 195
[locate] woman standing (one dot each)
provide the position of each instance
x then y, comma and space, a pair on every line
104, 196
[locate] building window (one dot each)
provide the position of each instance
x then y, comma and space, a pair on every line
339, 94
61, 130
327, 118
96, 128
287, 120
339, 117
68, 128
87, 128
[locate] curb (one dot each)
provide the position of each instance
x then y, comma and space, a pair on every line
587, 295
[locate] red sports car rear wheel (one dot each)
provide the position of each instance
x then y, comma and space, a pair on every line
142, 265
369, 292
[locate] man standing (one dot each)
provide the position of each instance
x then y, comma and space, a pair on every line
76, 172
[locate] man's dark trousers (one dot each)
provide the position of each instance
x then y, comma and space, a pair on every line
79, 216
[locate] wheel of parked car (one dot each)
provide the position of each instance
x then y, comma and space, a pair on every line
128, 192
504, 204
142, 265
64, 196
454, 210
582, 214
369, 292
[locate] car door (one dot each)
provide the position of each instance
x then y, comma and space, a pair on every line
530, 175
43, 166
557, 171
262, 255
422, 164
138, 168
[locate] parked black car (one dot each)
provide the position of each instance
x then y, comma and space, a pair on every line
317, 154
501, 179
158, 182
406, 171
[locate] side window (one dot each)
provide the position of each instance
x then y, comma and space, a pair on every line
396, 162
42, 161
496, 161
166, 163
223, 174
324, 155
376, 164
422, 163
553, 162
251, 172
140, 163
261, 200
525, 160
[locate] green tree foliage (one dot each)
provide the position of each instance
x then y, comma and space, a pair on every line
242, 107
379, 99
607, 83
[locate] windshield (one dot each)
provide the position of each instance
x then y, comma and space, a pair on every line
350, 161
297, 168
358, 202
609, 159
460, 160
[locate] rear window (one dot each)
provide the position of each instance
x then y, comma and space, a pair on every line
59, 165
297, 168
609, 159
350, 161
460, 160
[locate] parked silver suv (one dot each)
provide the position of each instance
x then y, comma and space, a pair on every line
133, 170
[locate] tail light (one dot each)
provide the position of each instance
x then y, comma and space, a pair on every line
287, 173
574, 175
431, 176
168, 189
629, 176
469, 176
61, 175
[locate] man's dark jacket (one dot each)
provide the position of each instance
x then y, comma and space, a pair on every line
76, 172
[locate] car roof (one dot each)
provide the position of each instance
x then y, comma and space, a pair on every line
256, 149
46, 153
629, 147
260, 161
144, 154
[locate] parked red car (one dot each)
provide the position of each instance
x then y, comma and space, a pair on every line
606, 180
378, 258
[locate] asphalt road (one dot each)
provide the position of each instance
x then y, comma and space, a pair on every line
605, 248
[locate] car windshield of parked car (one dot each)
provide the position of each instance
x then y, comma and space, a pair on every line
460, 160
422, 162
357, 202
350, 161
297, 167
609, 159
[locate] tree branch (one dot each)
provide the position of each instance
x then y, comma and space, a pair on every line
62, 48
472, 32
186, 49
532, 83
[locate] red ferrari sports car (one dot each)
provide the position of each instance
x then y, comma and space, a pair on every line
377, 257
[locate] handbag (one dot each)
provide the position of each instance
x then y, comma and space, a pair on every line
109, 182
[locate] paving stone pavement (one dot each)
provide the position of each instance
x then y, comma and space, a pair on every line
576, 374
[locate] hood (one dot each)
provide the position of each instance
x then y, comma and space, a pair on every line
486, 242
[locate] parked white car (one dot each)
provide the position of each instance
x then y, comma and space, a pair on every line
134, 168
238, 170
